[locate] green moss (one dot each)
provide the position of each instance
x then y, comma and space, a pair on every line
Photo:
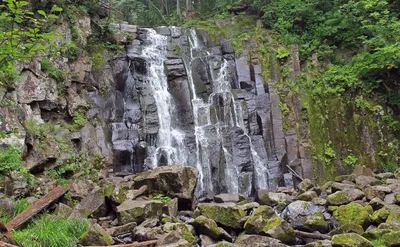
353, 213
226, 215
392, 238
347, 228
338, 198
350, 240
380, 215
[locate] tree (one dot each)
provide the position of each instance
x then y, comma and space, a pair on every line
22, 35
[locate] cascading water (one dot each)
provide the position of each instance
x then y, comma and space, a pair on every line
215, 137
169, 148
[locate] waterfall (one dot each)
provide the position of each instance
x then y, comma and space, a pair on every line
217, 142
169, 148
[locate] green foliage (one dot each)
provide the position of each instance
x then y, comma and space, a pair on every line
282, 52
10, 159
378, 243
79, 120
21, 35
51, 230
350, 160
54, 72
163, 198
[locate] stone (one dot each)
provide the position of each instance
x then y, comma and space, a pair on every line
209, 227
380, 215
249, 206
375, 233
186, 231
305, 185
345, 196
257, 241
206, 240
273, 199
320, 243
378, 191
169, 238
16, 184
347, 228
63, 210
317, 222
118, 230
350, 240
376, 203
265, 221
137, 211
364, 181
363, 171
389, 198
341, 186
353, 213
392, 239
36, 88
341, 178
96, 235
385, 175
307, 196
173, 180
180, 243
171, 208
93, 204
221, 198
142, 233
394, 216
397, 174
227, 214
301, 209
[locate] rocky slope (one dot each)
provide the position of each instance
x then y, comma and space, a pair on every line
356, 210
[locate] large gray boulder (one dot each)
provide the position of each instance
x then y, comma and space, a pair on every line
174, 181
138, 211
226, 214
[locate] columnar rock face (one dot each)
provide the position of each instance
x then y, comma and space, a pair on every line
188, 102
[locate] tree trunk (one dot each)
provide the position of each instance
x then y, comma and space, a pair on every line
178, 9
188, 5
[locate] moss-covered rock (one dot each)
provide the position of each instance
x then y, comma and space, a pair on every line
353, 213
257, 240
96, 235
265, 221
375, 233
350, 240
347, 228
392, 239
273, 199
317, 222
137, 211
394, 216
344, 197
380, 215
305, 185
209, 227
307, 196
227, 214
186, 233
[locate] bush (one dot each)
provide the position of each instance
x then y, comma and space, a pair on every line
10, 159
53, 231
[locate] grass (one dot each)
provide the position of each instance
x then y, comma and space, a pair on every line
51, 231
378, 243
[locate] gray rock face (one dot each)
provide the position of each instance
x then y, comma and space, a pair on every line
137, 211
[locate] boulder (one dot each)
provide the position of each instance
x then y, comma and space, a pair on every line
380, 215
174, 181
305, 185
226, 214
257, 241
347, 228
142, 233
93, 204
171, 208
392, 239
316, 222
169, 238
221, 198
301, 209
209, 227
273, 198
307, 196
206, 240
344, 197
350, 240
353, 213
364, 181
265, 221
186, 231
321, 243
63, 210
16, 184
377, 191
137, 211
118, 230
96, 235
